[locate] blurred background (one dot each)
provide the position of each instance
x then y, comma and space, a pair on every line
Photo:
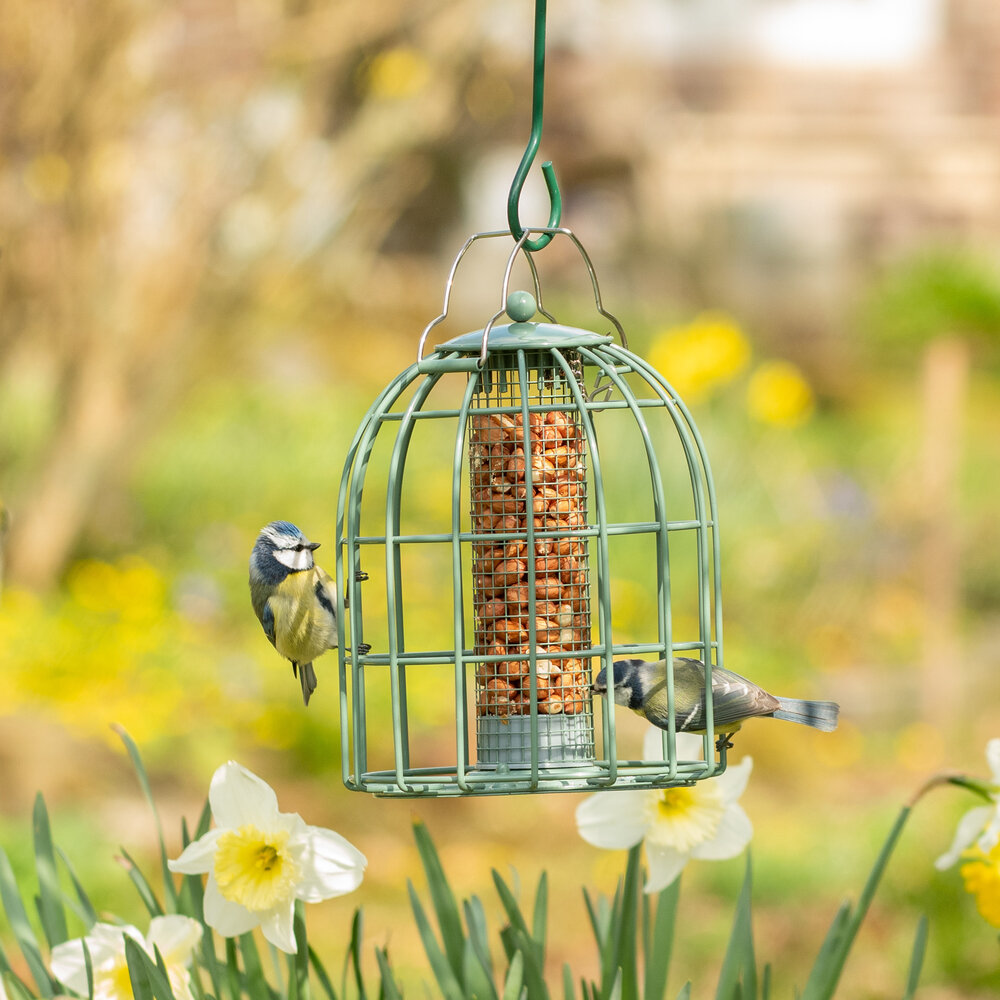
225, 224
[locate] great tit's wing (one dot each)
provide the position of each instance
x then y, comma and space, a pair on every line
267, 620
734, 698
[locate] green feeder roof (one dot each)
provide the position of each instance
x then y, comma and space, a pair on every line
530, 336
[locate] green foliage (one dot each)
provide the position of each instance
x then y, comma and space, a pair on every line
634, 939
935, 294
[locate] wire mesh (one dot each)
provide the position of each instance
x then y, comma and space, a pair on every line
531, 586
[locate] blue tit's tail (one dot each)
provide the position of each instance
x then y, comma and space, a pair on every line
818, 714
307, 678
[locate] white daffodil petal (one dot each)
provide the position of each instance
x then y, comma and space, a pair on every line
614, 819
665, 864
106, 944
229, 919
175, 936
733, 781
199, 856
69, 966
969, 827
330, 865
278, 927
239, 798
733, 834
993, 759
988, 839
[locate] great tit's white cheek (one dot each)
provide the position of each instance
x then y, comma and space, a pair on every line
295, 559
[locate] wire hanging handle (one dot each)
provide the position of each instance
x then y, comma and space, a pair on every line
548, 171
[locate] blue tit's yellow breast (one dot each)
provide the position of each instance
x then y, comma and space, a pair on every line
303, 628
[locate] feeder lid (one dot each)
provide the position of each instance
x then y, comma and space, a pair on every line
524, 334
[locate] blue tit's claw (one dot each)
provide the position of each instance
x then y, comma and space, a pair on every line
724, 742
360, 576
364, 648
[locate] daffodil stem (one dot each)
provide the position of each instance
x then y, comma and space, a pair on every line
975, 785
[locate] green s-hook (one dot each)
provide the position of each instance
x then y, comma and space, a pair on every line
537, 101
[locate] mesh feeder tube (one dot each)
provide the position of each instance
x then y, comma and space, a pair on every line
531, 571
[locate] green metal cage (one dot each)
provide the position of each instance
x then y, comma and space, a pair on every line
539, 488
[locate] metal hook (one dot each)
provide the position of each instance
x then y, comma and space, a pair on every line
548, 171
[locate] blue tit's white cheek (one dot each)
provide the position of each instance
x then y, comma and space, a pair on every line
295, 559
623, 696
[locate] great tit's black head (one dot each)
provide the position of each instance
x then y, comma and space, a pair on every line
281, 548
628, 687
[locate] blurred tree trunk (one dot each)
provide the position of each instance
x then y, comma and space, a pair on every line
945, 382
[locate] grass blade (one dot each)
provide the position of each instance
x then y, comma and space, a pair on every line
569, 991
739, 965
822, 987
17, 917
389, 987
661, 944
299, 962
475, 920
475, 980
521, 939
85, 911
445, 907
147, 791
16, 990
143, 887
51, 912
540, 916
447, 981
685, 993
515, 978
628, 929
255, 982
917, 958
357, 932
321, 974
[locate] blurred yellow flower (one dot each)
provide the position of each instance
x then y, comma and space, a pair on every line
47, 178
698, 358
397, 73
981, 875
779, 394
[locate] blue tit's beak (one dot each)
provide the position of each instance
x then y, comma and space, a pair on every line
312, 545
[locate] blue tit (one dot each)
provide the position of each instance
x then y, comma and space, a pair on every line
295, 600
642, 687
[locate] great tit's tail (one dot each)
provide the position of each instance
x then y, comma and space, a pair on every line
307, 678
818, 714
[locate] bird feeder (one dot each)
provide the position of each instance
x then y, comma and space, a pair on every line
530, 483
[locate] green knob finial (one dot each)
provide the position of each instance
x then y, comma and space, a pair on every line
521, 306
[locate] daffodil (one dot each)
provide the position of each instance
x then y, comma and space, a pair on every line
260, 860
703, 821
981, 875
175, 937
979, 826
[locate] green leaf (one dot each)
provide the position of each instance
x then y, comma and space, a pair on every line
388, 981
321, 974
739, 964
232, 969
16, 990
140, 770
475, 980
256, 983
17, 917
354, 952
149, 980
143, 887
917, 958
445, 907
539, 919
441, 967
475, 921
515, 978
85, 911
569, 992
659, 946
521, 939
50, 905
685, 993
628, 928
765, 985
829, 951
823, 980
299, 962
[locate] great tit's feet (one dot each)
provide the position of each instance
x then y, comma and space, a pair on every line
364, 648
724, 742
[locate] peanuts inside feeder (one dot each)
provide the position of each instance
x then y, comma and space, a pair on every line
531, 559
